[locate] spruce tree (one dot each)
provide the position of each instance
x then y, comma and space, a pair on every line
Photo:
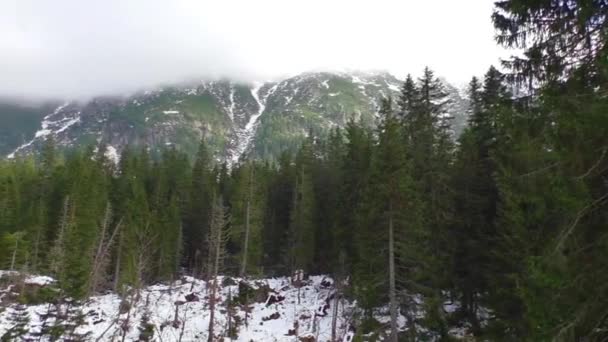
201, 192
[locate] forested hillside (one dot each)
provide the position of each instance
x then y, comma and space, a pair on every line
507, 221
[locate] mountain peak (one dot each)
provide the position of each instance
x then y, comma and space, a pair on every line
258, 119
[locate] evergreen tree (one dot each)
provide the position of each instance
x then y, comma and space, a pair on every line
355, 173
302, 230
201, 191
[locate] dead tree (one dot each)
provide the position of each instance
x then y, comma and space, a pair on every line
102, 252
218, 236
247, 222
142, 263
391, 275
57, 253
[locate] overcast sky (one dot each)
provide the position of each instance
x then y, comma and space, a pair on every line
81, 48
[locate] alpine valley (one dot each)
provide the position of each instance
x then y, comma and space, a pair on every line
259, 119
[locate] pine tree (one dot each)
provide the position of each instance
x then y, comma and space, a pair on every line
302, 230
355, 171
201, 191
327, 175
277, 217
248, 216
137, 219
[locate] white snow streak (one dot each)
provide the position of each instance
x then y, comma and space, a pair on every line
245, 135
49, 127
231, 108
394, 87
112, 154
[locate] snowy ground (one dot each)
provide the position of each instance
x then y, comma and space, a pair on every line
180, 312
284, 320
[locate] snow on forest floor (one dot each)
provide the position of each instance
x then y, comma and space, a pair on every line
277, 311
279, 317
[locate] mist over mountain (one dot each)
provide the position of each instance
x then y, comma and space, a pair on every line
260, 119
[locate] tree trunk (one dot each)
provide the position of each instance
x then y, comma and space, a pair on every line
36, 250
391, 271
229, 313
99, 254
247, 225
334, 318
216, 265
14, 254
117, 266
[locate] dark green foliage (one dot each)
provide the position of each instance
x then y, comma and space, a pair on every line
146, 329
509, 222
19, 122
202, 190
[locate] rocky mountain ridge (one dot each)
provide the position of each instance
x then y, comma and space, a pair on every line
260, 119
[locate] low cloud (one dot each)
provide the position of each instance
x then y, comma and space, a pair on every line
78, 49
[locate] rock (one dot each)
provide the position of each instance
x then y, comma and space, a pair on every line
274, 316
327, 283
249, 294
274, 298
292, 332
228, 281
322, 310
350, 335
192, 298
304, 317
124, 306
308, 338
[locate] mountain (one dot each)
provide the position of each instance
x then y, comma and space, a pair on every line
260, 119
19, 121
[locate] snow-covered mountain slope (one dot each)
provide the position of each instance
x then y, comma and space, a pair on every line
261, 119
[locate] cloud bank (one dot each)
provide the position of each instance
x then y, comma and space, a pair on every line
78, 49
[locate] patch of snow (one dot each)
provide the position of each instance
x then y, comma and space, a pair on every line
49, 127
68, 124
394, 87
30, 279
325, 84
246, 134
39, 280
42, 133
310, 306
181, 309
231, 107
357, 80
170, 112
112, 154
288, 100
333, 94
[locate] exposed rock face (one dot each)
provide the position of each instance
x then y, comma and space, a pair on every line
261, 119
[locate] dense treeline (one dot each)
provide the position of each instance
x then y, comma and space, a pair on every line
509, 219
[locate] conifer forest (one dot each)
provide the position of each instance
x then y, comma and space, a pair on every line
508, 219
